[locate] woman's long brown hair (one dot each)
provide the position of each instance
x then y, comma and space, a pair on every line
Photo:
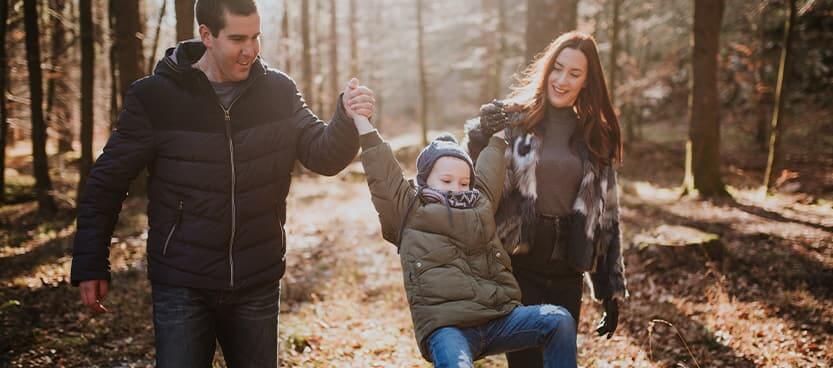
600, 126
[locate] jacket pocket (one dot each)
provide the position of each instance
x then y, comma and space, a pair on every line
173, 228
435, 258
439, 277
502, 258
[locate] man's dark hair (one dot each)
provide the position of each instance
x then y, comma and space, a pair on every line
211, 12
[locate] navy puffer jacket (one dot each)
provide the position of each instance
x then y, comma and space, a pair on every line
218, 178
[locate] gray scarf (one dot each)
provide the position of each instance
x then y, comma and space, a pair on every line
460, 200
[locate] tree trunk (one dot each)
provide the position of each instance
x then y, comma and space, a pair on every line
306, 56
54, 66
130, 59
423, 83
630, 115
614, 51
152, 57
334, 82
775, 152
763, 95
597, 21
500, 55
43, 185
546, 20
129, 31
87, 94
285, 41
372, 60
644, 45
4, 78
184, 20
704, 129
318, 59
115, 95
763, 101
494, 41
58, 112
487, 39
354, 51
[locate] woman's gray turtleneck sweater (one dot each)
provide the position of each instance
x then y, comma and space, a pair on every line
559, 170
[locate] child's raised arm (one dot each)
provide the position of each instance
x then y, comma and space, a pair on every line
490, 169
391, 194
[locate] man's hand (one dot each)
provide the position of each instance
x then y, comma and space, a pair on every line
358, 99
93, 292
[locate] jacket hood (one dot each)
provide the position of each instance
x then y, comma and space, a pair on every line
178, 62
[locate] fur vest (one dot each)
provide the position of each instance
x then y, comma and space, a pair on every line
593, 241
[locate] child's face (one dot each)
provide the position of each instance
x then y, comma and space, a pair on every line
450, 174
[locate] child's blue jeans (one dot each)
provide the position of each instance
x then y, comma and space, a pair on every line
548, 327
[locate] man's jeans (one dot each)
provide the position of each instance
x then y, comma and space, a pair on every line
188, 322
548, 327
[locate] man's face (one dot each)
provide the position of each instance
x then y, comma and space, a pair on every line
236, 46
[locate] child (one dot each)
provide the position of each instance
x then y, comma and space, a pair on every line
464, 300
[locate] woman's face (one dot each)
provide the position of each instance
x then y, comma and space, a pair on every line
567, 78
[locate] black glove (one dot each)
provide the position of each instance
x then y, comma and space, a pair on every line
610, 319
493, 118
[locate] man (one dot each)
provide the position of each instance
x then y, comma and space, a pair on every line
219, 134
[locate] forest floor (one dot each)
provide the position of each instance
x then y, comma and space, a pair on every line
757, 292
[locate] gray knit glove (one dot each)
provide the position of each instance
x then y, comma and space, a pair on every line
493, 118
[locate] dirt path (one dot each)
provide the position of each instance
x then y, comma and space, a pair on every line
767, 301
359, 316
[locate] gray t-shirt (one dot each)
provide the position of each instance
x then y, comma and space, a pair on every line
559, 171
227, 91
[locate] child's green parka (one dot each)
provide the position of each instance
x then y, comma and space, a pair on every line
455, 269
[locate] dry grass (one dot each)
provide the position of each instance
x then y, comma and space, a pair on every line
767, 301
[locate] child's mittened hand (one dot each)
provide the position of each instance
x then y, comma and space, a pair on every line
493, 117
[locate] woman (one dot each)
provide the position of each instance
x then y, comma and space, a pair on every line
560, 217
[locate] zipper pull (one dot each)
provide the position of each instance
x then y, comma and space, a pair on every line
179, 212
228, 116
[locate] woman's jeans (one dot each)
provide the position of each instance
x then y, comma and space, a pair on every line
188, 323
546, 327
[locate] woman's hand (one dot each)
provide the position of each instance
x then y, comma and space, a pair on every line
610, 319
